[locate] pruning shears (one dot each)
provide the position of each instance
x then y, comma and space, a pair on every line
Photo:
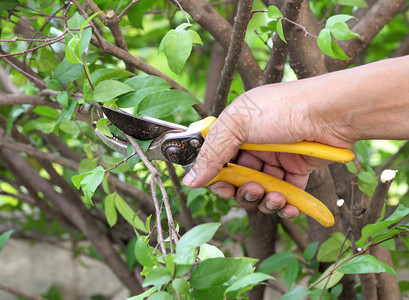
180, 145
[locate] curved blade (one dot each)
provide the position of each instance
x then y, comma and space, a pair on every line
140, 128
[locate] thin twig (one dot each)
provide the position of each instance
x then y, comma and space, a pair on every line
183, 12
155, 179
124, 161
19, 293
122, 13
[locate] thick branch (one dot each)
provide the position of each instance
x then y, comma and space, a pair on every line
379, 196
20, 99
242, 19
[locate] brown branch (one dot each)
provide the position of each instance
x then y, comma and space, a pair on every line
18, 293
214, 73
390, 160
379, 197
203, 13
19, 99
275, 67
295, 233
125, 10
242, 19
34, 152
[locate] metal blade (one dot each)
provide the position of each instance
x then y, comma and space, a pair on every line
140, 128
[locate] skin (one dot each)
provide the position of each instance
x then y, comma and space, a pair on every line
338, 109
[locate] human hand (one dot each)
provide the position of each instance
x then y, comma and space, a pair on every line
270, 120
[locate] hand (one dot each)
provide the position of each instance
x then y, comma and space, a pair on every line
259, 118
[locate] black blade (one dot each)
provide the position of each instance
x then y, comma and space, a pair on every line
139, 128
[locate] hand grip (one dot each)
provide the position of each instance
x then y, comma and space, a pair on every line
306, 203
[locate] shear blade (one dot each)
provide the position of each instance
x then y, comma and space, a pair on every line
140, 128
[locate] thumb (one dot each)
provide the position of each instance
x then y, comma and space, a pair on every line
221, 144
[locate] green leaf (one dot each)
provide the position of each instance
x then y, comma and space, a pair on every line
87, 164
212, 293
183, 27
273, 12
102, 126
369, 230
195, 37
157, 277
68, 72
137, 11
164, 103
177, 47
275, 262
128, 214
291, 272
143, 85
4, 237
180, 286
338, 52
336, 19
144, 254
109, 89
73, 50
209, 251
357, 3
195, 237
324, 42
105, 74
214, 272
161, 296
89, 20
89, 182
310, 251
144, 294
365, 264
336, 276
6, 5
405, 240
341, 32
110, 210
130, 254
53, 84
246, 283
296, 293
329, 250
68, 107
280, 31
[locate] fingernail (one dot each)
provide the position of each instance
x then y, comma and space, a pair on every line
271, 206
282, 214
189, 178
251, 197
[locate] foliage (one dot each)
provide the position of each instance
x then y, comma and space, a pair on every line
79, 66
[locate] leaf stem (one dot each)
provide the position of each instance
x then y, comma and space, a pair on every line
184, 13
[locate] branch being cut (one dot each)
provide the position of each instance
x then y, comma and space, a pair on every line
155, 179
242, 19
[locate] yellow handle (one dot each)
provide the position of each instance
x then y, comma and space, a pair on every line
306, 203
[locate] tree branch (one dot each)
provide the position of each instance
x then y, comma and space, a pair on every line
19, 99
18, 293
242, 19
275, 67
